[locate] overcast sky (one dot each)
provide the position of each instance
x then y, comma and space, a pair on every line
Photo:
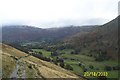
56, 13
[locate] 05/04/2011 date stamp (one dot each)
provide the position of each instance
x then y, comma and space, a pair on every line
95, 74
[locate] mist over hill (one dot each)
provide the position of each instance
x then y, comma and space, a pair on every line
104, 37
21, 33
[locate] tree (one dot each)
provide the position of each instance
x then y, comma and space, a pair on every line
62, 64
55, 62
40, 53
54, 53
77, 50
68, 67
80, 64
116, 68
91, 66
74, 52
85, 69
59, 59
108, 68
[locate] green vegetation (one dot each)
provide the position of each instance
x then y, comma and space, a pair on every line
81, 62
45, 53
7, 68
78, 49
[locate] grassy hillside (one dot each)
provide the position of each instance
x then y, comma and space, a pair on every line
17, 63
102, 39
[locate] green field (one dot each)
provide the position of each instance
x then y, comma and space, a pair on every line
45, 53
86, 60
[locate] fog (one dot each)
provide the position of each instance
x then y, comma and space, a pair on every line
57, 13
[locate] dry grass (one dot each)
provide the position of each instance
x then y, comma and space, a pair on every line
8, 65
39, 68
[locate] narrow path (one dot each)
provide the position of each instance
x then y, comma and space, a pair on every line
19, 71
14, 73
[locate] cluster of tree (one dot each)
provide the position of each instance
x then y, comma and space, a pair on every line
83, 66
40, 56
101, 56
34, 46
21, 48
54, 53
59, 46
109, 68
47, 48
76, 51
62, 64
91, 66
54, 48
60, 61
66, 66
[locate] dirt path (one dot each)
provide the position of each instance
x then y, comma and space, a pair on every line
19, 71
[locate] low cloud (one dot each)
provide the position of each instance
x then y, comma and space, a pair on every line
55, 13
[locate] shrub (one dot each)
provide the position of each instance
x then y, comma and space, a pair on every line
59, 59
74, 52
91, 66
85, 69
80, 64
116, 68
68, 67
108, 68
97, 68
54, 53
40, 53
62, 64
55, 62
100, 58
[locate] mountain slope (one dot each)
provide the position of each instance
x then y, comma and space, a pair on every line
103, 38
26, 66
21, 33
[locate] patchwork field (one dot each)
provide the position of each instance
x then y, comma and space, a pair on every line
74, 61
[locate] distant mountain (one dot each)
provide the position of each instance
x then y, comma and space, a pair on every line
18, 64
102, 38
22, 33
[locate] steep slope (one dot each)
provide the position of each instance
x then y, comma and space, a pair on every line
18, 64
103, 38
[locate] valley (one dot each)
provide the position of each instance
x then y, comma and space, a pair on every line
74, 60
65, 52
